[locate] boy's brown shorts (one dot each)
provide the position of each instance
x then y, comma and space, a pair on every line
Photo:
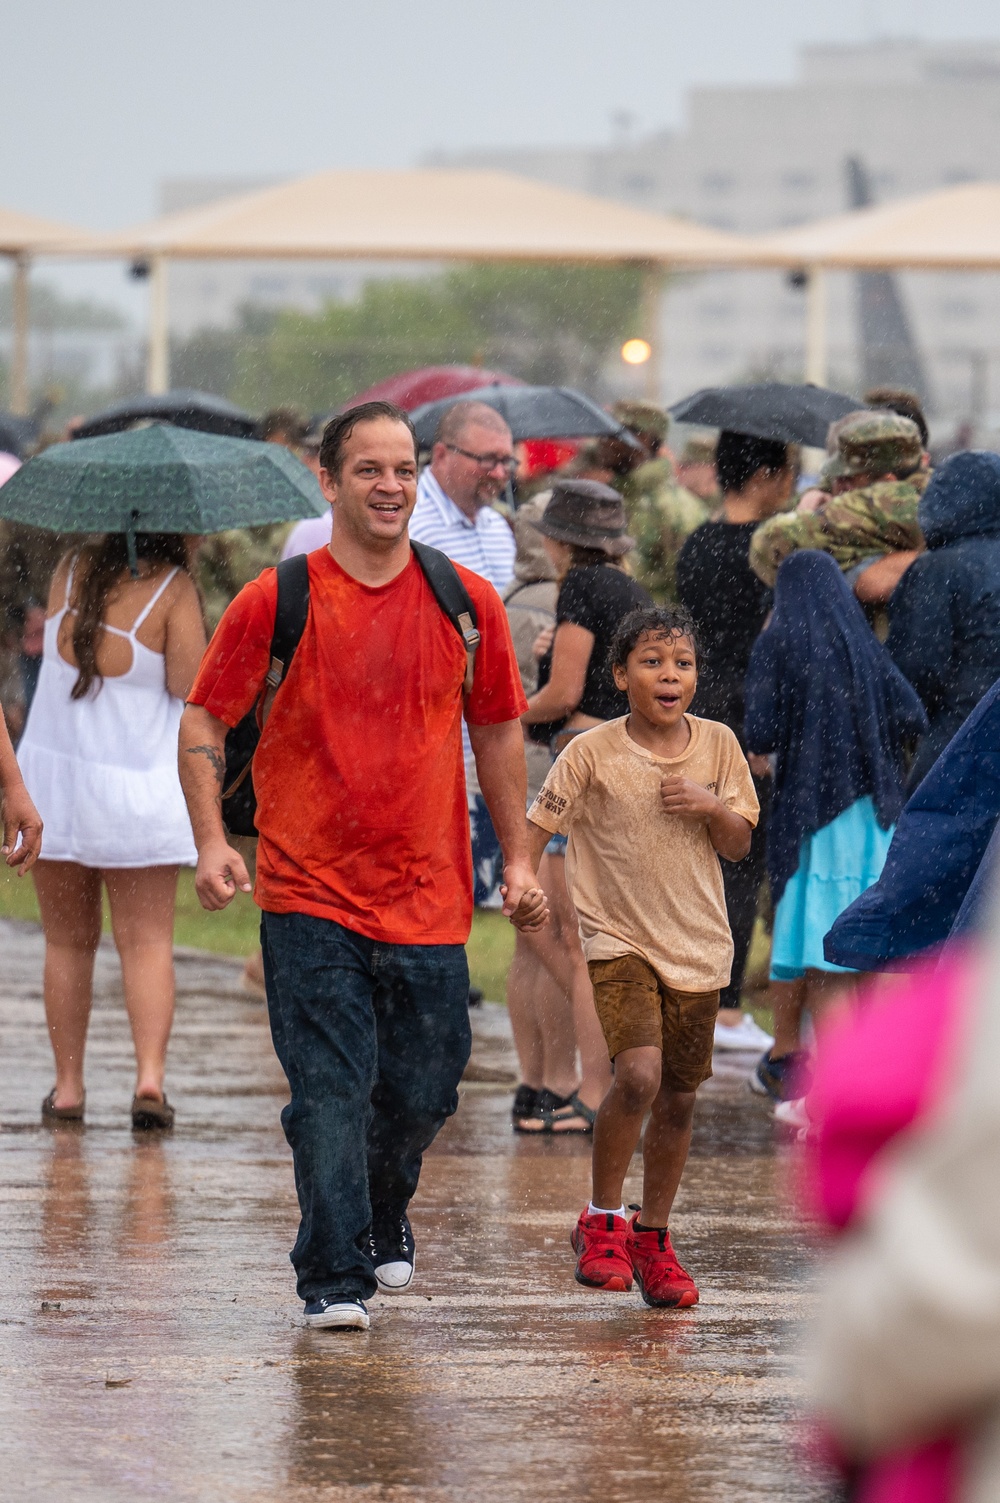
637, 1010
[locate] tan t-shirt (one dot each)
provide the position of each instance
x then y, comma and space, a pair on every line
643, 881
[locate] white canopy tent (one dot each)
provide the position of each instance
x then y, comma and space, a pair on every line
419, 215
956, 229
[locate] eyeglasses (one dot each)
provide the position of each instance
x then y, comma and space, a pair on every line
487, 461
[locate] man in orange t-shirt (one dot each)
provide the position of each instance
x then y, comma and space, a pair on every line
364, 870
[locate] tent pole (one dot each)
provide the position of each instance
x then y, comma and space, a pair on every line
158, 359
19, 351
653, 280
816, 326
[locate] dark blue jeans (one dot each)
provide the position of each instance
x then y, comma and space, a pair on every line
373, 1039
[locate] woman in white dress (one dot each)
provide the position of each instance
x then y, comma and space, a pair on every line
99, 757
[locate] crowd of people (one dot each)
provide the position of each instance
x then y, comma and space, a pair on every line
717, 691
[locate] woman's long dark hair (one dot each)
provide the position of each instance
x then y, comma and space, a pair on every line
101, 565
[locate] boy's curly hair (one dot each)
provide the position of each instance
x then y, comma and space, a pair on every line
658, 621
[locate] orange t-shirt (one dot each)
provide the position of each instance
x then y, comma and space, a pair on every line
361, 802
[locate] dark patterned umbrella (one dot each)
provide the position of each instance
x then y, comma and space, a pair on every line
160, 479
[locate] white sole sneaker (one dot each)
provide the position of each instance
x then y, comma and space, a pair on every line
393, 1278
745, 1037
349, 1316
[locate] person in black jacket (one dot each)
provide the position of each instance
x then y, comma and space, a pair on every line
944, 614
729, 604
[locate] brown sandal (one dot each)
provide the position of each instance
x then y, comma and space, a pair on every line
150, 1115
53, 1113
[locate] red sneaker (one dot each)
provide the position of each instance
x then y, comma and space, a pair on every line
602, 1259
661, 1279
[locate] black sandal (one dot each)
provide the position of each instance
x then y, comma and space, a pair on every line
567, 1110
524, 1113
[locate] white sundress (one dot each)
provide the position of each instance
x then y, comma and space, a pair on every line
102, 770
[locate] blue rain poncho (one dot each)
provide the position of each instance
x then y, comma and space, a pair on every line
936, 853
824, 697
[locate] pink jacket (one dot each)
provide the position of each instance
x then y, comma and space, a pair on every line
881, 1073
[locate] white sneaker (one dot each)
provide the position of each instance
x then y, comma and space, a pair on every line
793, 1114
390, 1248
745, 1036
393, 1278
337, 1315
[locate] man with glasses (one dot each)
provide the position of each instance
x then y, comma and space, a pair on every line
471, 463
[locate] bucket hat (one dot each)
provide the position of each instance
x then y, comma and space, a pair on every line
586, 514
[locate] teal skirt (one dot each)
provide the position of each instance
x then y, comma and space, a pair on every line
836, 865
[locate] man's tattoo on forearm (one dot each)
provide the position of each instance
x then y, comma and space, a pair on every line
218, 762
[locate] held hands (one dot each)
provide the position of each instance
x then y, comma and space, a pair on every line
221, 873
524, 903
20, 818
680, 796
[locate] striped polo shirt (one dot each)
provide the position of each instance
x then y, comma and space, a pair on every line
486, 545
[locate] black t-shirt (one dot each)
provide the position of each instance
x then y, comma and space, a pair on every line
729, 604
595, 597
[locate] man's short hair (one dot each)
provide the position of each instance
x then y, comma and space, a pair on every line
339, 429
906, 403
454, 422
739, 456
289, 422
658, 621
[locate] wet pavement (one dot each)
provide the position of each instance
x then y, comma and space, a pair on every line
149, 1338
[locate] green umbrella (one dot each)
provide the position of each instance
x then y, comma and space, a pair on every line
160, 479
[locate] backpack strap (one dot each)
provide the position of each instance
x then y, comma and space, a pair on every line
453, 598
290, 615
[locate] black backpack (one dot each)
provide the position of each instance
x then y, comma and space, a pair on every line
239, 799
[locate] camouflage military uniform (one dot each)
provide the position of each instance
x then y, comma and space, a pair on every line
661, 514
229, 560
859, 524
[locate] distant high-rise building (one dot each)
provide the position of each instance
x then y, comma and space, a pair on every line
919, 116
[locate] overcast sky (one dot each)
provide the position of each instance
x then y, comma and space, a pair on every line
99, 101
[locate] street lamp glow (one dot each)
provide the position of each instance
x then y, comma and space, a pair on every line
636, 351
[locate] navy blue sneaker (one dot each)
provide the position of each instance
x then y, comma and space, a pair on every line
389, 1245
785, 1079
337, 1314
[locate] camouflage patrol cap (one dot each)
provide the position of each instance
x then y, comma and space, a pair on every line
876, 443
642, 417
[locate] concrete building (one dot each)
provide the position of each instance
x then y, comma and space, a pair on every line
917, 115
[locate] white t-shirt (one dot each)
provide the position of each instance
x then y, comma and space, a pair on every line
308, 535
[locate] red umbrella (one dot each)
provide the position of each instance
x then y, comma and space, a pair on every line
411, 389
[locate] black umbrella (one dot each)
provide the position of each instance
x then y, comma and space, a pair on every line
16, 433
185, 409
530, 412
788, 414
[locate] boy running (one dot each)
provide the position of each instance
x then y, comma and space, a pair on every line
649, 802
